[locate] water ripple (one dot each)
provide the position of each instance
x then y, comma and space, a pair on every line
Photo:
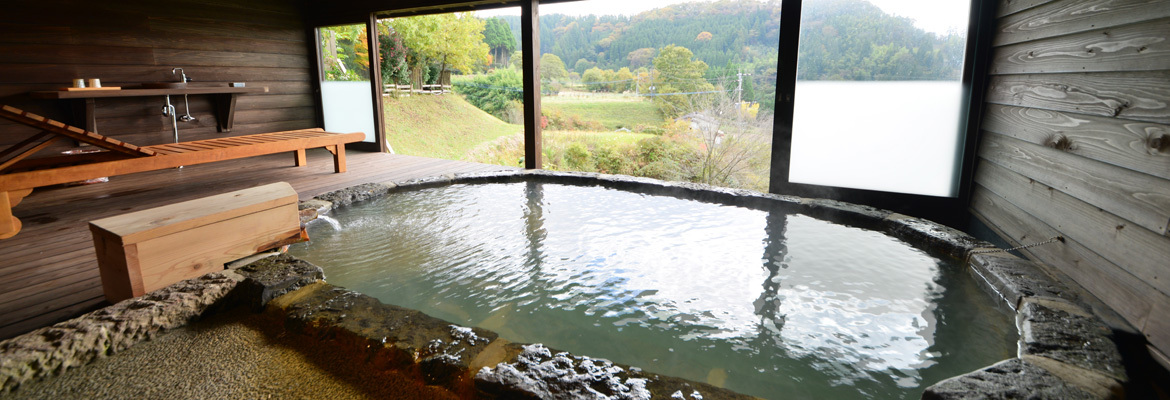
770, 304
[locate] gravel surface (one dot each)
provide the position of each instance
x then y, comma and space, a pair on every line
235, 355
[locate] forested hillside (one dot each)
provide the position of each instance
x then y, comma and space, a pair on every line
841, 39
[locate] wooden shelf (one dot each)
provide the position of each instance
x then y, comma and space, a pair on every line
82, 102
86, 94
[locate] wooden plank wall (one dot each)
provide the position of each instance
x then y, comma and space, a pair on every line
46, 43
1076, 142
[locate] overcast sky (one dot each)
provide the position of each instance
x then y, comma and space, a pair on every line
932, 15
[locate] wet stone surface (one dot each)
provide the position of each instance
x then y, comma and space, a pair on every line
394, 337
267, 278
355, 194
932, 235
1010, 379
230, 355
76, 342
312, 208
537, 372
1014, 278
424, 183
1064, 332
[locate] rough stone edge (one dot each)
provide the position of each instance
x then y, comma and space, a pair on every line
79, 341
1019, 281
416, 343
54, 349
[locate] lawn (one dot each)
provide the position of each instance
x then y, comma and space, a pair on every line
443, 126
612, 111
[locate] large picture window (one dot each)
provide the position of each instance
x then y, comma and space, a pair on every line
878, 96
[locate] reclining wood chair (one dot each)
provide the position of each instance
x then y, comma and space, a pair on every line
19, 176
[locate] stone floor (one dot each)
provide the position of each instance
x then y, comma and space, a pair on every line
233, 355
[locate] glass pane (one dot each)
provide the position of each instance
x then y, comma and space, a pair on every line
345, 85
672, 89
453, 86
878, 95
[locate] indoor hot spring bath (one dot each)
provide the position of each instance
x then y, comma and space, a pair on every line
765, 295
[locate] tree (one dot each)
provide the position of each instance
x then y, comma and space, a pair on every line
552, 72
496, 93
498, 36
680, 80
624, 80
345, 53
592, 79
452, 41
583, 65
393, 52
640, 57
703, 37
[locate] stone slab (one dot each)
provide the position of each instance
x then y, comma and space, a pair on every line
1064, 332
536, 372
354, 194
948, 240
1014, 278
79, 341
270, 277
1010, 379
392, 336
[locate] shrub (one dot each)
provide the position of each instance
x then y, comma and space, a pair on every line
497, 93
577, 157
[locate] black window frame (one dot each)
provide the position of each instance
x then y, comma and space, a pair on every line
952, 211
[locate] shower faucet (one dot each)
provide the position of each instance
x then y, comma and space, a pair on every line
182, 75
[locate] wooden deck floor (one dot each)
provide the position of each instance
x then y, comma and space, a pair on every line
49, 271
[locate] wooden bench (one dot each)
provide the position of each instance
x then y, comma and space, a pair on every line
151, 249
19, 175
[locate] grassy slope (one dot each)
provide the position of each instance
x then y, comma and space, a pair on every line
414, 125
612, 111
510, 150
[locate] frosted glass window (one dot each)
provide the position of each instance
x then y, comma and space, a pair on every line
348, 108
878, 96
345, 80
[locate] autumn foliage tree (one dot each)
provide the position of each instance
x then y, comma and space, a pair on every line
679, 81
450, 41
498, 36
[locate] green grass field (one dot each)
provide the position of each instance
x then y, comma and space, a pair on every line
509, 150
440, 126
612, 111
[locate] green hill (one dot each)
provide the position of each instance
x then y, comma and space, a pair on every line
440, 126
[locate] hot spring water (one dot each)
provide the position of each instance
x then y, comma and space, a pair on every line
766, 303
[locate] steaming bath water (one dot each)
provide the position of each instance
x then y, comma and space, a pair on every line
766, 303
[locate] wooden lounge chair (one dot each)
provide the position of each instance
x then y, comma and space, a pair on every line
19, 176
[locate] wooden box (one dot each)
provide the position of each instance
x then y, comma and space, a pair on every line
150, 249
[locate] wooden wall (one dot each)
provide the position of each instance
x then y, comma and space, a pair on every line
1076, 142
44, 44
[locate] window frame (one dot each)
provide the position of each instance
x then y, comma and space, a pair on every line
951, 211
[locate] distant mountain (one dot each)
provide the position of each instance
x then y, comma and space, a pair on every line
840, 39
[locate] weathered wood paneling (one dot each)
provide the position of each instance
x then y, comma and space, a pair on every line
1143, 96
1138, 251
1140, 47
1096, 274
1136, 197
1008, 7
1065, 17
1076, 143
1140, 146
124, 43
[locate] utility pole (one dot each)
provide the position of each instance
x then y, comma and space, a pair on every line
739, 86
